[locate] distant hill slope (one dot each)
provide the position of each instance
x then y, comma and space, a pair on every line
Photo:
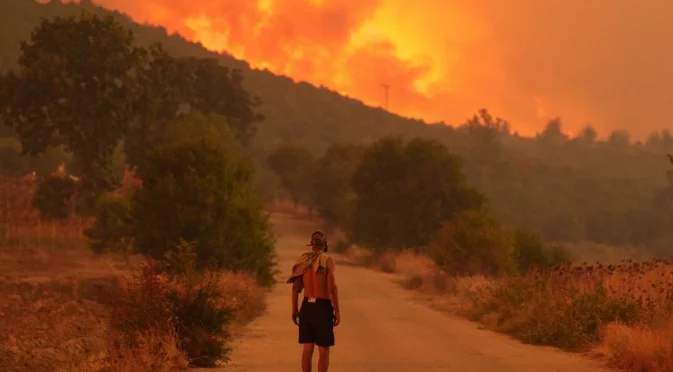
567, 189
295, 111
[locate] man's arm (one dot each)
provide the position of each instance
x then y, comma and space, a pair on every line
331, 285
297, 287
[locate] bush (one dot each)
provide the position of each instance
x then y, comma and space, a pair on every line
113, 225
536, 314
195, 192
473, 243
190, 306
531, 252
52, 195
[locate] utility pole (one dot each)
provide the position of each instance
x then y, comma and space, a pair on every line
386, 88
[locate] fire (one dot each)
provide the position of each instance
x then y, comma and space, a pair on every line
352, 46
442, 60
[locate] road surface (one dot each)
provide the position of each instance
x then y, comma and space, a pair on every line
382, 329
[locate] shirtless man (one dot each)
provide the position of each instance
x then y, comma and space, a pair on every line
319, 312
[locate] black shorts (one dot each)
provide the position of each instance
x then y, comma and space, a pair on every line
316, 322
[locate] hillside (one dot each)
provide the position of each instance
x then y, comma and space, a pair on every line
570, 190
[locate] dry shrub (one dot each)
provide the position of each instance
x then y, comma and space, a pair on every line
16, 201
60, 301
156, 351
241, 293
417, 270
617, 306
360, 256
645, 347
387, 262
192, 306
571, 306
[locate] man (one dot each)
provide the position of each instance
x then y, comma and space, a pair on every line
319, 313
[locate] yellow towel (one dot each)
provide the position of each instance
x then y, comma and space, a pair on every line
315, 260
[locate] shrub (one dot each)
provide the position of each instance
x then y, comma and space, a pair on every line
576, 325
52, 195
190, 306
536, 313
194, 191
531, 252
559, 255
473, 243
113, 225
341, 246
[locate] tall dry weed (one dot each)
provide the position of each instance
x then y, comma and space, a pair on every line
156, 351
644, 347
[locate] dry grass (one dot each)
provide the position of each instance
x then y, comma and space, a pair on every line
56, 298
158, 352
243, 295
621, 311
646, 347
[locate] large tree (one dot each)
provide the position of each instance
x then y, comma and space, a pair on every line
173, 87
75, 86
333, 193
164, 92
216, 89
405, 191
294, 166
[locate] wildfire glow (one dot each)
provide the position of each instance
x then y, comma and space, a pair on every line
443, 59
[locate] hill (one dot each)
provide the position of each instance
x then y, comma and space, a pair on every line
569, 189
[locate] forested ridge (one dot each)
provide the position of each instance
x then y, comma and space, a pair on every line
612, 191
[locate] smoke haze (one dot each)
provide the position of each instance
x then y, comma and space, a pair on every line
604, 62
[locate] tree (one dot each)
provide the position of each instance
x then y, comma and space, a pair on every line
113, 225
619, 138
331, 187
75, 86
484, 133
52, 197
175, 87
405, 191
165, 91
216, 89
552, 134
293, 165
588, 134
197, 193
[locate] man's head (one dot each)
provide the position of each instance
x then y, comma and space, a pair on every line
318, 241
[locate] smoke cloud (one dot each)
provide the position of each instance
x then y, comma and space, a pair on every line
604, 62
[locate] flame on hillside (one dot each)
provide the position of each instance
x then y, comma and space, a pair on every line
442, 59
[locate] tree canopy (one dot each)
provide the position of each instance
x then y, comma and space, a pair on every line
404, 191
74, 87
193, 191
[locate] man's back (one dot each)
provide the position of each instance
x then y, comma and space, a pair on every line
316, 282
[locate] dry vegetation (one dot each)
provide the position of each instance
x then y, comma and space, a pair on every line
59, 299
619, 312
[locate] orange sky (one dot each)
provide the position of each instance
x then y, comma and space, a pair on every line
607, 62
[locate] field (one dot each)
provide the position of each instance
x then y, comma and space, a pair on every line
619, 313
58, 297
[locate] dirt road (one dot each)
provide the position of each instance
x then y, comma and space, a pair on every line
382, 329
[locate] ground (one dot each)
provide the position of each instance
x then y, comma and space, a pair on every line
383, 328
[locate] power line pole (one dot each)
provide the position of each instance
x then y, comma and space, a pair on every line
386, 88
